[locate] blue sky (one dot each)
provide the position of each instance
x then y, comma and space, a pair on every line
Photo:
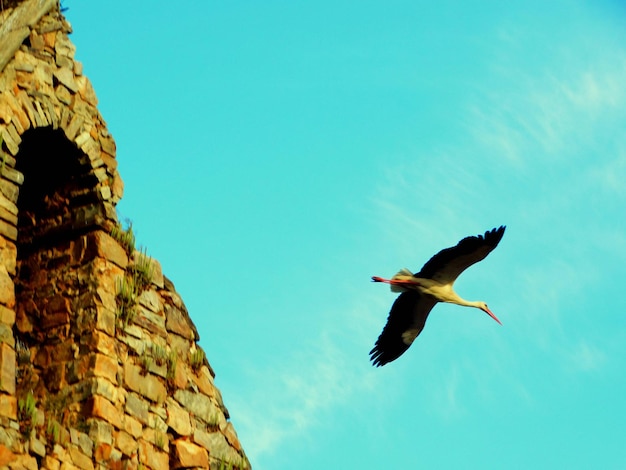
278, 154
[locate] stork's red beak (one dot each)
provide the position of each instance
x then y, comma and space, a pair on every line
490, 313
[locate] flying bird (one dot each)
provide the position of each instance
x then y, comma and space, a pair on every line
421, 292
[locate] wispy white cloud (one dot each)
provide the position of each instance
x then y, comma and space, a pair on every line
586, 357
549, 115
447, 402
294, 395
609, 174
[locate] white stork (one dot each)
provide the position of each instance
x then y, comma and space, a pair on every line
421, 291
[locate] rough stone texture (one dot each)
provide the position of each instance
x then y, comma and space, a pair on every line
6, 456
7, 369
111, 380
190, 455
8, 406
178, 418
146, 385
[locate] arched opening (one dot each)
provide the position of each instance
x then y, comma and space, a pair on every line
57, 207
58, 193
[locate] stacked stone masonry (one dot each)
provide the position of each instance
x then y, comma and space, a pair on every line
99, 362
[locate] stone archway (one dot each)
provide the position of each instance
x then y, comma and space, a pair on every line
57, 198
113, 371
58, 206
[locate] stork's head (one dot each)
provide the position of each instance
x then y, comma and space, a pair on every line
484, 308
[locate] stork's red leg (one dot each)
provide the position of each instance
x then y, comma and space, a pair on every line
395, 282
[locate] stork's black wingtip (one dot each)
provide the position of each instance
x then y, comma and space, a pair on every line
375, 357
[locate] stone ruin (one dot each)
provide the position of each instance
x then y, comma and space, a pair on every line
99, 362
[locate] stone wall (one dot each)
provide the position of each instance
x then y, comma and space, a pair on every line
99, 361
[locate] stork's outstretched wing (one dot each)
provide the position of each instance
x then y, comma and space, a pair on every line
406, 320
449, 263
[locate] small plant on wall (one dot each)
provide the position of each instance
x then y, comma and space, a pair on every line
126, 300
196, 360
26, 414
159, 353
137, 277
53, 432
172, 363
142, 270
124, 236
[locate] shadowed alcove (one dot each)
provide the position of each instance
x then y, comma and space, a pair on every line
57, 199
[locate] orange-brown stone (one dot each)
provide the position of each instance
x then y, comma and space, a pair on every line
8, 406
103, 452
100, 407
7, 289
178, 418
152, 457
6, 456
147, 385
108, 248
104, 366
7, 368
188, 454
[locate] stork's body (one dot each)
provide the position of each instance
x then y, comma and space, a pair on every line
423, 290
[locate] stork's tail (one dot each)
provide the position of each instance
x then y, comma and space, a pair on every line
399, 282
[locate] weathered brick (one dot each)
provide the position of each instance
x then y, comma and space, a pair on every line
137, 407
24, 462
7, 368
152, 457
105, 320
79, 459
147, 386
215, 442
204, 381
8, 255
103, 343
101, 432
101, 386
187, 454
82, 440
126, 443
152, 301
109, 249
8, 230
103, 452
231, 436
61, 453
100, 407
177, 322
7, 315
133, 426
86, 90
181, 376
152, 322
178, 418
6, 456
37, 447
202, 406
66, 77
104, 366
50, 463
54, 319
6, 334
7, 289
49, 38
